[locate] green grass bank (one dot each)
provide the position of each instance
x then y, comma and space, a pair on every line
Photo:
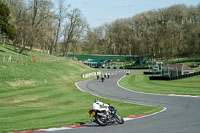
42, 94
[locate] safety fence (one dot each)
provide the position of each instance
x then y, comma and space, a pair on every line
91, 74
28, 59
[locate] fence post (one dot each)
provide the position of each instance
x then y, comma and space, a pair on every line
10, 58
17, 57
4, 58
26, 61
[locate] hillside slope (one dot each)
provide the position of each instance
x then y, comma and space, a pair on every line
42, 94
33, 93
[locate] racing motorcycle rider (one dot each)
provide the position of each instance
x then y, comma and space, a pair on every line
104, 114
97, 106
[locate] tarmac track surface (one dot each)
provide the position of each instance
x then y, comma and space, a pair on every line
181, 116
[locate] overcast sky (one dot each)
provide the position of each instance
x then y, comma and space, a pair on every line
98, 12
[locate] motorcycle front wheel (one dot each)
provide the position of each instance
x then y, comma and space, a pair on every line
119, 119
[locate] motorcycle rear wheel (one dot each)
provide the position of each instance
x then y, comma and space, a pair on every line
101, 121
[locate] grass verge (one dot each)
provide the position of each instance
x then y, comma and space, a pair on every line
139, 82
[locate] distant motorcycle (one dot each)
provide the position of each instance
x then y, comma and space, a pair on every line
102, 78
108, 75
104, 118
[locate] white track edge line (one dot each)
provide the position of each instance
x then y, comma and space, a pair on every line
164, 108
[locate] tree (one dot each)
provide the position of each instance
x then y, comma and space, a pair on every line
5, 27
39, 13
74, 29
62, 12
171, 32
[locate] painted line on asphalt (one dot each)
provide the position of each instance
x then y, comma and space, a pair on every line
29, 131
134, 117
77, 126
85, 91
183, 95
133, 90
55, 129
80, 126
80, 82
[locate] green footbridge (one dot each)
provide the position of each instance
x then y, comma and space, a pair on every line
139, 60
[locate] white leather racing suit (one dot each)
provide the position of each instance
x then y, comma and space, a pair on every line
97, 106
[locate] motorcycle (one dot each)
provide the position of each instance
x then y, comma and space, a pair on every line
102, 78
104, 118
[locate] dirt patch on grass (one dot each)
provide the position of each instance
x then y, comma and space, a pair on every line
68, 78
18, 99
4, 67
21, 83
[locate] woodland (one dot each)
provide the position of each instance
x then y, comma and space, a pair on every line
58, 28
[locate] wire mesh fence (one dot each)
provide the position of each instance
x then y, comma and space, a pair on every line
18, 58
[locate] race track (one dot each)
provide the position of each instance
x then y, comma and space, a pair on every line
182, 114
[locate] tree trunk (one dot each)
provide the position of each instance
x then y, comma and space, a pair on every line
4, 41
